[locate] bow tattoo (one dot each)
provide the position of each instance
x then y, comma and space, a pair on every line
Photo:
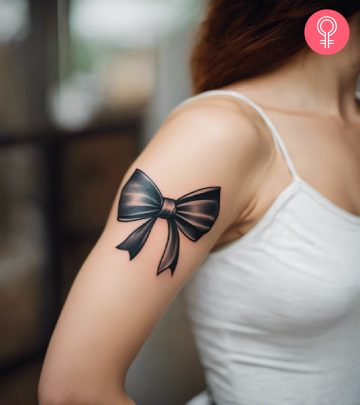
194, 214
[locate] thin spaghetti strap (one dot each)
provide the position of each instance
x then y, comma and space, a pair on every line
274, 132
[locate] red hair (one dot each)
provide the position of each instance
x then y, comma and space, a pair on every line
239, 39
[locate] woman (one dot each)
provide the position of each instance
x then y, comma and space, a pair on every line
268, 225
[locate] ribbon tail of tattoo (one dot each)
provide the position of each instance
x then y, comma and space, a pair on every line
171, 253
136, 240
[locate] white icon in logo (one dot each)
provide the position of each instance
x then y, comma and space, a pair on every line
329, 30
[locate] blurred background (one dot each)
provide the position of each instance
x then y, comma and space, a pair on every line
84, 84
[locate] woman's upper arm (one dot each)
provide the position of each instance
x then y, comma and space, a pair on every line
184, 189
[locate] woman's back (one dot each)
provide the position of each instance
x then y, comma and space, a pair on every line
276, 313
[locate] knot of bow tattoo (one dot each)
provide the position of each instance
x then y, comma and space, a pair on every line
193, 213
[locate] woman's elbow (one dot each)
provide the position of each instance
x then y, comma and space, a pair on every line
64, 394
50, 395
53, 398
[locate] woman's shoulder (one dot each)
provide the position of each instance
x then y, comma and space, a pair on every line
222, 110
220, 121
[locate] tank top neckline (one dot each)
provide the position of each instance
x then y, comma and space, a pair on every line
295, 186
297, 183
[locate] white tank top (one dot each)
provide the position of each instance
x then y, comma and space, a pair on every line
276, 313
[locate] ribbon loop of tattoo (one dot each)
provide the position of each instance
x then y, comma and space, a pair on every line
193, 213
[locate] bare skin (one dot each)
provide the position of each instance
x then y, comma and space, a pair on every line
115, 302
311, 102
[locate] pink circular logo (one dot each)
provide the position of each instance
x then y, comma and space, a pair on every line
326, 32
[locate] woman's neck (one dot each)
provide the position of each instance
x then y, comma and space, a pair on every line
325, 84
312, 82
